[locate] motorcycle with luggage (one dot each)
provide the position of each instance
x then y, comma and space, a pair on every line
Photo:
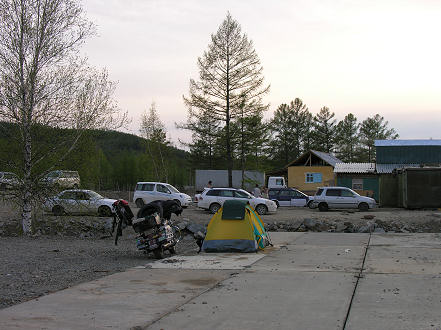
155, 230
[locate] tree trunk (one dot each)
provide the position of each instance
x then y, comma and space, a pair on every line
26, 216
227, 125
153, 160
242, 154
229, 158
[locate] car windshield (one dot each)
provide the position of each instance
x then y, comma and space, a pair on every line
355, 193
243, 194
173, 189
94, 195
319, 192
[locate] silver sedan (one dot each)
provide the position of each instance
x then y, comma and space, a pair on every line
78, 201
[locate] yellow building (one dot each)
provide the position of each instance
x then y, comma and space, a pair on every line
311, 170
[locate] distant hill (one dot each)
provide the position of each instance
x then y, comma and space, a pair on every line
108, 159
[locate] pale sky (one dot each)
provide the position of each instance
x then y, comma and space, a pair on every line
364, 57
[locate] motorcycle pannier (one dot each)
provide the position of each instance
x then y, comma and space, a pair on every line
142, 224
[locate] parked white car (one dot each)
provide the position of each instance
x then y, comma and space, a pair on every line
62, 179
197, 196
146, 192
213, 199
78, 201
341, 198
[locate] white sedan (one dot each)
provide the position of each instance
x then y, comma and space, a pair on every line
78, 201
213, 199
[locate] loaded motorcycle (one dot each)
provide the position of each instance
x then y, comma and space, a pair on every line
156, 232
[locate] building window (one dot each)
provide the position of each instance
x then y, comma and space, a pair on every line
357, 184
313, 177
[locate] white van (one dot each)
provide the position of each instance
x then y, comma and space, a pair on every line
276, 182
146, 192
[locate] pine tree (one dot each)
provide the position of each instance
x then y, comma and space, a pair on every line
347, 138
290, 127
324, 130
230, 74
375, 128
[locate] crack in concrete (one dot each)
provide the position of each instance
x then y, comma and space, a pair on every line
358, 276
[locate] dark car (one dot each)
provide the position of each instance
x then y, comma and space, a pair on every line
288, 197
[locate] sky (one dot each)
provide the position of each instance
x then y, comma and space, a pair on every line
363, 57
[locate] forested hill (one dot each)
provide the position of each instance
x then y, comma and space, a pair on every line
107, 159
123, 159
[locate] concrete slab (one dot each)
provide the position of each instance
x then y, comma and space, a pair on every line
307, 258
269, 300
305, 282
403, 260
284, 238
407, 240
396, 302
332, 239
119, 301
207, 261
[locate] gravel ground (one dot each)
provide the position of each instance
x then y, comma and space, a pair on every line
34, 266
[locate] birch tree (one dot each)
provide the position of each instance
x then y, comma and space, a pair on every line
154, 131
44, 83
230, 74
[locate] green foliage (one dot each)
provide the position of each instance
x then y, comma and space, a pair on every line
295, 130
230, 86
105, 160
374, 128
347, 139
324, 130
290, 131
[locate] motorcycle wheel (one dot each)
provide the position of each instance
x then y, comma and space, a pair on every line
158, 253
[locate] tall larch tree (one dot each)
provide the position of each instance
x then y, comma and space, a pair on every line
230, 75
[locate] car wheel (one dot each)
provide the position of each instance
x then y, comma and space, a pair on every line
277, 203
214, 208
58, 210
139, 202
261, 209
323, 207
104, 211
310, 205
363, 207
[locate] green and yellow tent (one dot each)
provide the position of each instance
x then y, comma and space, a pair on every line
236, 227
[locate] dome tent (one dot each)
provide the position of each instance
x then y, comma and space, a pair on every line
236, 227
